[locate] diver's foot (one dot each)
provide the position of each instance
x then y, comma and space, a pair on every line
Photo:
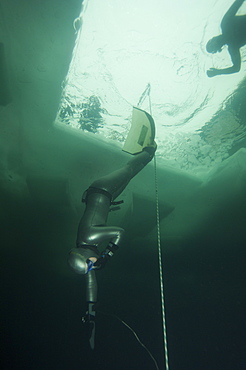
142, 132
151, 149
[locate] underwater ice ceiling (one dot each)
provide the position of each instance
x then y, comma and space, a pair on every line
123, 46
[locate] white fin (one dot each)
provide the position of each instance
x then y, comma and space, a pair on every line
142, 132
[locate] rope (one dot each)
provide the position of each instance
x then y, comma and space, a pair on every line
160, 269
143, 96
141, 100
135, 335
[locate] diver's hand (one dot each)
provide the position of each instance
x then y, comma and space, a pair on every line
106, 255
151, 149
91, 263
101, 262
213, 72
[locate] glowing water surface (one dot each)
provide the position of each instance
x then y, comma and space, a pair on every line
124, 45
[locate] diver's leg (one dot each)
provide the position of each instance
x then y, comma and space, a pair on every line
116, 182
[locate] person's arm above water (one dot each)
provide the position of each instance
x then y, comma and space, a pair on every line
236, 64
231, 12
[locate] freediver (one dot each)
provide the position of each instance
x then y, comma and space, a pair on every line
93, 231
233, 35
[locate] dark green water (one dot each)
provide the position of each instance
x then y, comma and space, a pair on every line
42, 301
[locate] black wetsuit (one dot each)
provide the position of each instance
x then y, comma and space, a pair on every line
92, 229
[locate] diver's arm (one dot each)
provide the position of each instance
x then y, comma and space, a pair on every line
231, 12
114, 235
236, 64
106, 255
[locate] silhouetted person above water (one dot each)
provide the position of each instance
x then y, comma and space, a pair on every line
233, 35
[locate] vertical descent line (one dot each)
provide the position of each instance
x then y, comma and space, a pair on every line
161, 270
